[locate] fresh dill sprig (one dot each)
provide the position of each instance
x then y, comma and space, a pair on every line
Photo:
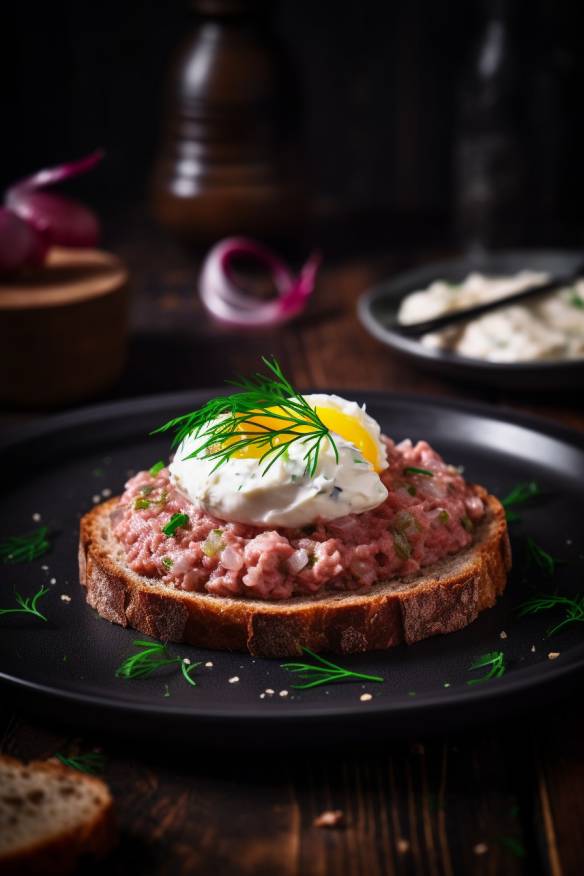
93, 762
543, 560
25, 548
151, 657
519, 495
324, 672
573, 606
493, 659
28, 605
229, 424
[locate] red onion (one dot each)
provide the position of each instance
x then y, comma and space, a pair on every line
230, 304
19, 243
61, 220
231, 559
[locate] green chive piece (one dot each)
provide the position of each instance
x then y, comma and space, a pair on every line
156, 468
412, 469
141, 504
176, 521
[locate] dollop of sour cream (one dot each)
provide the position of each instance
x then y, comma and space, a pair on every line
242, 491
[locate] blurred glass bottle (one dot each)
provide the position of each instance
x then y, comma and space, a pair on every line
491, 148
229, 160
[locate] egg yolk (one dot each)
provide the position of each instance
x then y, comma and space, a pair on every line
345, 425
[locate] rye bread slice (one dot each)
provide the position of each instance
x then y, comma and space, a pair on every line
51, 817
445, 597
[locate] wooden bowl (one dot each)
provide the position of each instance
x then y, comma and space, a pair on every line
63, 328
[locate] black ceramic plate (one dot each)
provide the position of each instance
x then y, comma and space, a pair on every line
378, 309
66, 666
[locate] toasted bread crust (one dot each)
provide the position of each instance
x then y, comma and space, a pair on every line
61, 854
446, 597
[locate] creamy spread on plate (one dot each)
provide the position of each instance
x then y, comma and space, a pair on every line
546, 328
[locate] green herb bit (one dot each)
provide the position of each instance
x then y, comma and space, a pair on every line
151, 657
495, 660
443, 516
519, 495
573, 607
27, 606
176, 521
412, 469
93, 762
146, 489
156, 468
401, 545
25, 548
467, 523
541, 558
167, 562
575, 300
323, 672
141, 504
229, 424
411, 489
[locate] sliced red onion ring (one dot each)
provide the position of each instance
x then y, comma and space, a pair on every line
61, 220
230, 304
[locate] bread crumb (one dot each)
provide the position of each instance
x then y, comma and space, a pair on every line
234, 679
366, 697
96, 499
270, 692
553, 655
533, 649
65, 598
106, 492
209, 663
283, 693
502, 634
45, 568
480, 849
187, 661
36, 517
568, 541
262, 696
403, 845
53, 581
330, 818
446, 684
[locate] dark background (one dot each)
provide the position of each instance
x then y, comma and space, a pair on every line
381, 92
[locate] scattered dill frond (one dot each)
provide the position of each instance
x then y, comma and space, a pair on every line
536, 555
519, 495
151, 657
495, 660
25, 548
28, 605
573, 608
323, 672
230, 424
93, 762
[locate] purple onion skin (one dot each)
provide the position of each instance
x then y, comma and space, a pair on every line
61, 220
19, 243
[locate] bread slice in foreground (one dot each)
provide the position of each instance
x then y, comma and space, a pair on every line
51, 816
445, 597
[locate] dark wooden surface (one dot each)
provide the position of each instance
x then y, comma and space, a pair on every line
507, 798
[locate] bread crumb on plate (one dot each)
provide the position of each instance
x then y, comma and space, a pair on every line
330, 818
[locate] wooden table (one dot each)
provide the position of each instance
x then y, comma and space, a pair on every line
507, 798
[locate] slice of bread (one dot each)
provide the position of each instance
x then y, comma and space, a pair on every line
51, 816
444, 597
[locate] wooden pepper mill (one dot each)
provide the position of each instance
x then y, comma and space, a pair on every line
229, 159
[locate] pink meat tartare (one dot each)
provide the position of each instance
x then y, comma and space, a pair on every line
424, 518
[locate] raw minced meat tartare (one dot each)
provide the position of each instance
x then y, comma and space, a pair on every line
428, 514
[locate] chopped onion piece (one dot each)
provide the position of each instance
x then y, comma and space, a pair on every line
297, 561
231, 559
230, 304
